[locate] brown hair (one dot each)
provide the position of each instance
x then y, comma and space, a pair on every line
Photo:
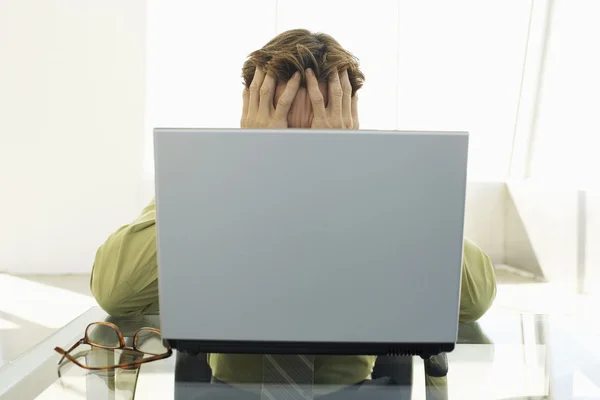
299, 49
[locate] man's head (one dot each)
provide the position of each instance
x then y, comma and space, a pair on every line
297, 50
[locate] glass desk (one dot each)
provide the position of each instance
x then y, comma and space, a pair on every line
503, 356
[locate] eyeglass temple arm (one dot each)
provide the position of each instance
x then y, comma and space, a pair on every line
149, 359
120, 365
64, 353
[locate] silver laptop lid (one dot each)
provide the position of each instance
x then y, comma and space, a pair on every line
321, 241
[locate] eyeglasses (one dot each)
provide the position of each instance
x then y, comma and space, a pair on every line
104, 335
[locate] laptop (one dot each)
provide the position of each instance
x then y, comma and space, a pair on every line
310, 241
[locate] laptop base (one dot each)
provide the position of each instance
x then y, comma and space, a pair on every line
424, 350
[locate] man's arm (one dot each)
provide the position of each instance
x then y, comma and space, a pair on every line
478, 287
124, 276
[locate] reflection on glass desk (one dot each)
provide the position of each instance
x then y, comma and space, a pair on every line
503, 356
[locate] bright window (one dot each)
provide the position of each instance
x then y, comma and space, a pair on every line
567, 134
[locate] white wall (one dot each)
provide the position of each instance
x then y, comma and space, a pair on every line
592, 238
429, 64
72, 84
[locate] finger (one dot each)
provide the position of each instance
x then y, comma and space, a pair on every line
335, 93
315, 95
355, 123
346, 98
287, 98
267, 91
245, 102
257, 82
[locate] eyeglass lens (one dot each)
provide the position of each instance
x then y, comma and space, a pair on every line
150, 342
103, 335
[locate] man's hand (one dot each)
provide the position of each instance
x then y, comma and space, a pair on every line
258, 110
342, 110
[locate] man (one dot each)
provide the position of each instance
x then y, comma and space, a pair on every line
298, 80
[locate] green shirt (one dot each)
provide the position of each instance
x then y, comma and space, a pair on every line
124, 281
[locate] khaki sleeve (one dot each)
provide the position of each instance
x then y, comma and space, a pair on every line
478, 286
124, 277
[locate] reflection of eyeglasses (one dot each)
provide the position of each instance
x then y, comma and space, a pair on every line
105, 335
